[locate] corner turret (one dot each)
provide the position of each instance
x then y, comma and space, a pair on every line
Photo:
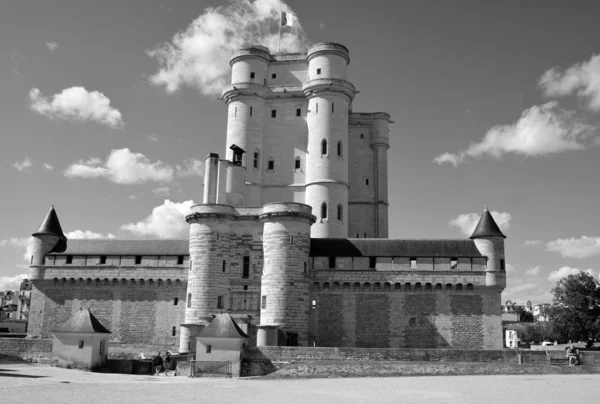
489, 240
48, 238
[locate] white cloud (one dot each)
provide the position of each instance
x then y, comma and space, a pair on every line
153, 138
534, 270
582, 247
51, 45
199, 56
582, 79
529, 243
190, 168
122, 167
541, 130
48, 167
466, 222
23, 166
510, 268
23, 242
161, 191
84, 234
76, 103
11, 282
165, 221
565, 271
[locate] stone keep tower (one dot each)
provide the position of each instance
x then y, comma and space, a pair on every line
329, 95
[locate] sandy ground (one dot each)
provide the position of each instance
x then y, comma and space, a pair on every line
37, 384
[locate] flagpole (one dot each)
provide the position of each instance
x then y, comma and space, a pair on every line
280, 21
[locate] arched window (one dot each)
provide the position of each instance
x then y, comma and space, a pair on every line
324, 147
324, 210
256, 158
339, 149
340, 212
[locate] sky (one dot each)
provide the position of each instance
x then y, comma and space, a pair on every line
108, 110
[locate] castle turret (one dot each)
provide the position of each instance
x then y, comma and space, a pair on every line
245, 98
284, 286
208, 282
380, 143
329, 95
48, 238
490, 242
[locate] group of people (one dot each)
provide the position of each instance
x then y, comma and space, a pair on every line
159, 364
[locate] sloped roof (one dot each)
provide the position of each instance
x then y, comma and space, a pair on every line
50, 225
223, 326
342, 247
83, 321
127, 247
486, 227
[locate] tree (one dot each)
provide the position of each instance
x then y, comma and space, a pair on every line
575, 310
524, 315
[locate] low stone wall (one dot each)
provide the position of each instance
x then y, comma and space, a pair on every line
28, 349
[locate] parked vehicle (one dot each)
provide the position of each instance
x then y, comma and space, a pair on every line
547, 343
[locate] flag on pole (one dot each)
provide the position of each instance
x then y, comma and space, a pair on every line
287, 19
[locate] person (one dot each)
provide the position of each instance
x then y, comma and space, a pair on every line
167, 363
572, 355
157, 363
142, 356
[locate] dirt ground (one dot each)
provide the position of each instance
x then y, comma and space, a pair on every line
48, 385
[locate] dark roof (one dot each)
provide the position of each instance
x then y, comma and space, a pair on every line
82, 321
112, 246
50, 225
486, 227
342, 247
223, 326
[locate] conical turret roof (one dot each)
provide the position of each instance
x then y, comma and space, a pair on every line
486, 227
83, 321
50, 225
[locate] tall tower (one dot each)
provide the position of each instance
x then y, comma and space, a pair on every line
379, 142
245, 99
208, 284
490, 242
329, 95
284, 284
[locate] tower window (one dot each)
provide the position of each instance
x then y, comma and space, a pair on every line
245, 287
324, 147
69, 260
180, 260
273, 113
138, 259
317, 107
332, 107
372, 262
208, 348
263, 302
340, 212
331, 262
273, 76
80, 344
235, 112
362, 136
413, 263
298, 112
502, 267
174, 331
271, 164
365, 234
189, 300
251, 75
305, 268
224, 265
256, 156
297, 163
246, 267
219, 302
102, 259
324, 210
366, 181
453, 263
339, 149
250, 111
175, 301
319, 71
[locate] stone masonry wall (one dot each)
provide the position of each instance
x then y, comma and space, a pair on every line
133, 312
406, 319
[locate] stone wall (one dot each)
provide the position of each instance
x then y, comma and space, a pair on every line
135, 313
406, 319
26, 348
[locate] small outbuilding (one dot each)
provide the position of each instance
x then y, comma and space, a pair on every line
82, 341
220, 342
513, 335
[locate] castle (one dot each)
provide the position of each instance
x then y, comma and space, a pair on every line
291, 237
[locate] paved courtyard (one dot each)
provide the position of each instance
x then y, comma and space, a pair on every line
35, 384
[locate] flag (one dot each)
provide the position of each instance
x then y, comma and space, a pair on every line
287, 19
